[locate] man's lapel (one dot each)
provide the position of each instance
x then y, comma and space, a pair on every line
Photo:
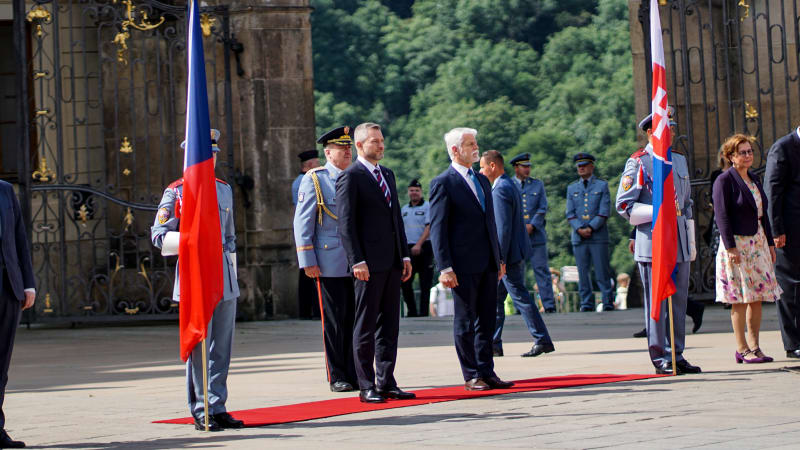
465, 189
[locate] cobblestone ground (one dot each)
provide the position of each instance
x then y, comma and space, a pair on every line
100, 387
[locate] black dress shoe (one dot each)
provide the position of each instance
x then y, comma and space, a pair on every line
685, 367
697, 317
538, 349
587, 309
7, 442
370, 396
476, 384
642, 333
793, 353
226, 420
496, 383
549, 310
342, 386
199, 424
397, 394
608, 308
497, 352
664, 369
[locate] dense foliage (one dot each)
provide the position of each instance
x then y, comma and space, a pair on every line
549, 77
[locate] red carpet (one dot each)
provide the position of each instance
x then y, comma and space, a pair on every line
350, 404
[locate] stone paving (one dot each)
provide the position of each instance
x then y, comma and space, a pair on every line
100, 387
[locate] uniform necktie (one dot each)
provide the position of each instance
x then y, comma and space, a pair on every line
585, 184
383, 186
478, 188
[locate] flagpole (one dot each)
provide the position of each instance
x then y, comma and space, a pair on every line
322, 319
205, 381
672, 338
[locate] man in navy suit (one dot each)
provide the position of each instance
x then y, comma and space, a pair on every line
515, 249
464, 238
16, 289
372, 233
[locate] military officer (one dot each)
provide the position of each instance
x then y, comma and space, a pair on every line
635, 203
306, 291
534, 208
416, 219
322, 258
588, 205
220, 328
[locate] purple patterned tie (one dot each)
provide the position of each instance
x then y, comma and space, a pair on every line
383, 186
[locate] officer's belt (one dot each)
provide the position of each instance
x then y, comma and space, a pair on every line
320, 200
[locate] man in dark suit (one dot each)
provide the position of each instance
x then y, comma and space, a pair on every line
515, 249
782, 187
372, 233
16, 289
464, 238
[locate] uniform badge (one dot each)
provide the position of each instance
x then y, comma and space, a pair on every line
627, 182
300, 197
163, 216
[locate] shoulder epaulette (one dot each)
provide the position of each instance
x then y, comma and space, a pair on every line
175, 183
316, 169
638, 153
222, 181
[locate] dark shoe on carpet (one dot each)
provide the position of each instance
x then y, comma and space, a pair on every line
587, 309
7, 442
397, 394
226, 420
342, 386
642, 333
664, 369
497, 352
370, 396
685, 367
476, 384
200, 424
495, 382
608, 308
538, 349
793, 353
549, 310
697, 317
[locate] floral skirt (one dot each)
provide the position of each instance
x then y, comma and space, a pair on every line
753, 279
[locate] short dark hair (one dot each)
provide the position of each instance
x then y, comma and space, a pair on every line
493, 156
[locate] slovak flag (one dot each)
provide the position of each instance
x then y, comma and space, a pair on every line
200, 249
665, 227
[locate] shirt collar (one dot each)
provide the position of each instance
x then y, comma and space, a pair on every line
371, 167
460, 169
332, 170
494, 185
591, 178
421, 202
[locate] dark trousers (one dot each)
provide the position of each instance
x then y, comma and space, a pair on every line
514, 283
338, 315
307, 302
420, 264
474, 301
10, 311
787, 271
376, 328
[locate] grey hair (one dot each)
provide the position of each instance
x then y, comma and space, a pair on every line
454, 137
360, 133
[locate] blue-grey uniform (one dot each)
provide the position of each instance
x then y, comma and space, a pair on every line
296, 188
634, 195
534, 209
318, 244
588, 204
220, 328
415, 219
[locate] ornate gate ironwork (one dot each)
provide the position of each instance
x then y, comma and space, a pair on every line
732, 67
106, 80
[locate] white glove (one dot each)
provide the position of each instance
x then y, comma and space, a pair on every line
692, 243
170, 243
233, 262
641, 213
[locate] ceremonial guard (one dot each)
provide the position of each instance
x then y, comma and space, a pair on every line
416, 219
534, 209
323, 260
588, 206
306, 291
635, 204
220, 328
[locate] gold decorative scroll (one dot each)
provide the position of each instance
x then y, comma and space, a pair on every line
206, 23
83, 214
143, 273
122, 47
662, 2
746, 7
38, 15
128, 219
130, 21
43, 173
126, 146
37, 75
750, 113
132, 311
126, 172
48, 308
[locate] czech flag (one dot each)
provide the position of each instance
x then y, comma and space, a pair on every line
665, 221
200, 250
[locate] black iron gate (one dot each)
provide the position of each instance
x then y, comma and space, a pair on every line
103, 109
732, 67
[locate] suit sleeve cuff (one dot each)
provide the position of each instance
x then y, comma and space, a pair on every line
359, 264
31, 290
407, 259
447, 270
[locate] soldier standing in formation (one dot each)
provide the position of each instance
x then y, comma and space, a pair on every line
635, 204
322, 257
534, 209
416, 219
220, 328
306, 291
588, 205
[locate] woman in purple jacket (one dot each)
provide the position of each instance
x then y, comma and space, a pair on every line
746, 264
